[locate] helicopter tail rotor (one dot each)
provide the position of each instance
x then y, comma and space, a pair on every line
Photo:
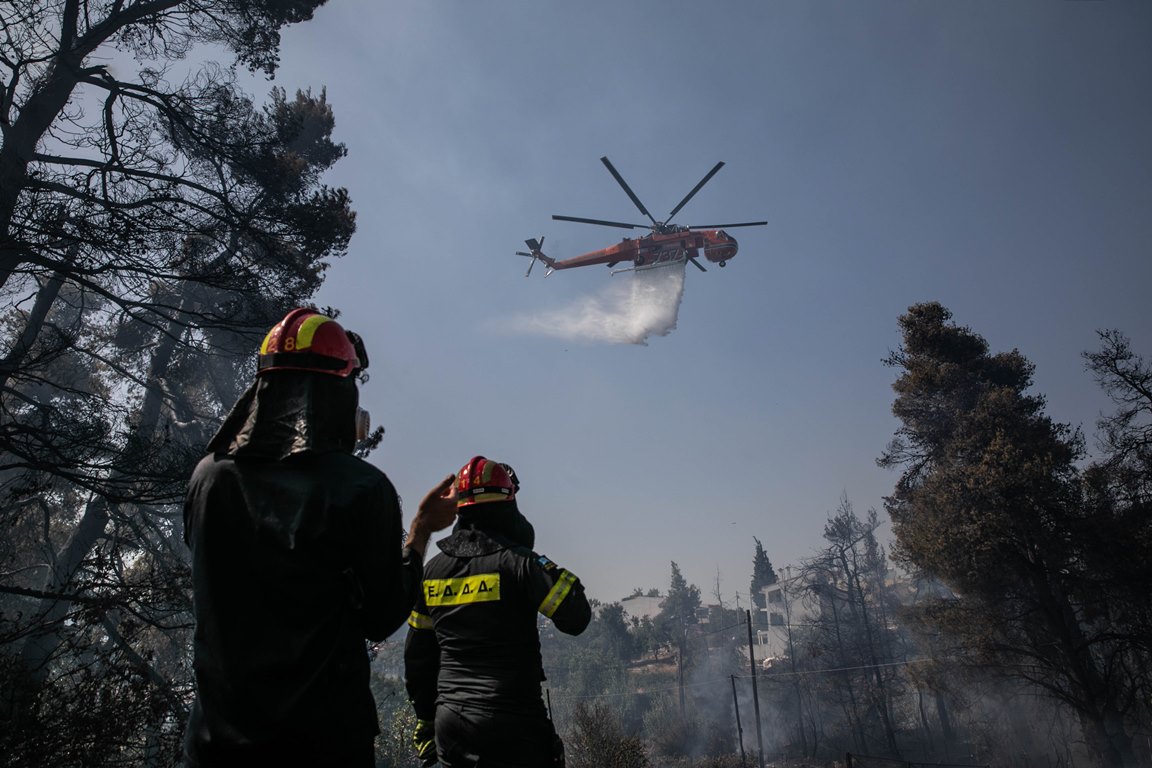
536, 254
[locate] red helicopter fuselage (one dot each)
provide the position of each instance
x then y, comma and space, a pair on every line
667, 244
659, 249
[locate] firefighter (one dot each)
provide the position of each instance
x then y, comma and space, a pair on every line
472, 662
298, 555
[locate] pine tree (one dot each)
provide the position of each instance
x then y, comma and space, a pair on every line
990, 502
762, 575
145, 247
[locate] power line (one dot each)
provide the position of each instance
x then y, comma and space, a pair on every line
726, 678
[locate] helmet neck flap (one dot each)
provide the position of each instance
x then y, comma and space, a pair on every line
289, 412
501, 520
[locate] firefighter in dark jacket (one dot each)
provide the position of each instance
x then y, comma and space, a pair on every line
297, 556
472, 657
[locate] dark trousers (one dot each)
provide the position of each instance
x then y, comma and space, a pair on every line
468, 738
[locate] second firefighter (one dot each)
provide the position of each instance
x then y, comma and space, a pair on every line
472, 658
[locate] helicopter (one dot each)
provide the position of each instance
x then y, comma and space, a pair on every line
666, 245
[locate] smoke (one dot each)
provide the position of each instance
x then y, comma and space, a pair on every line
627, 310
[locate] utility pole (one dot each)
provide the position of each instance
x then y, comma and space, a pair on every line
739, 730
755, 693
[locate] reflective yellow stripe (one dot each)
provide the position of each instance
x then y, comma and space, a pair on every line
302, 340
557, 594
419, 621
501, 496
482, 588
308, 330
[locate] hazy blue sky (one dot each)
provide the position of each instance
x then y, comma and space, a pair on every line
994, 156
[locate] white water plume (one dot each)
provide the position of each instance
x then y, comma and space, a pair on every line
628, 310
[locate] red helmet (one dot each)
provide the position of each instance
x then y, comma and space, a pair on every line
482, 480
306, 340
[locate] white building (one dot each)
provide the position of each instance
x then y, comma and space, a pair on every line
784, 609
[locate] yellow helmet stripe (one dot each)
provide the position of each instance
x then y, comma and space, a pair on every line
481, 497
267, 340
557, 594
302, 340
308, 330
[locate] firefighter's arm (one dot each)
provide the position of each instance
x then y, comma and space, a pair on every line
561, 595
421, 662
386, 574
437, 511
388, 571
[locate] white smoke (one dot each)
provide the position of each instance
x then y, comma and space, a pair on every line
629, 309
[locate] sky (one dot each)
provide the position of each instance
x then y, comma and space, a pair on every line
995, 157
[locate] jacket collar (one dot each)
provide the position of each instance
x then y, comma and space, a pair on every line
470, 542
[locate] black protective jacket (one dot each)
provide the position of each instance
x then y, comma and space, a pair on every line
473, 641
295, 561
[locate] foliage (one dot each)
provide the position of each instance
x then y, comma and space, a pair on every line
596, 740
678, 609
152, 230
669, 732
699, 731
991, 501
731, 760
763, 574
1119, 487
612, 635
397, 722
646, 639
1126, 435
851, 631
895, 662
589, 663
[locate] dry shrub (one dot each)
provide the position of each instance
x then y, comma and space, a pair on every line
596, 740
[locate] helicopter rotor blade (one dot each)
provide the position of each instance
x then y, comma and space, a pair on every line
696, 189
601, 222
620, 180
729, 226
531, 263
699, 266
536, 246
